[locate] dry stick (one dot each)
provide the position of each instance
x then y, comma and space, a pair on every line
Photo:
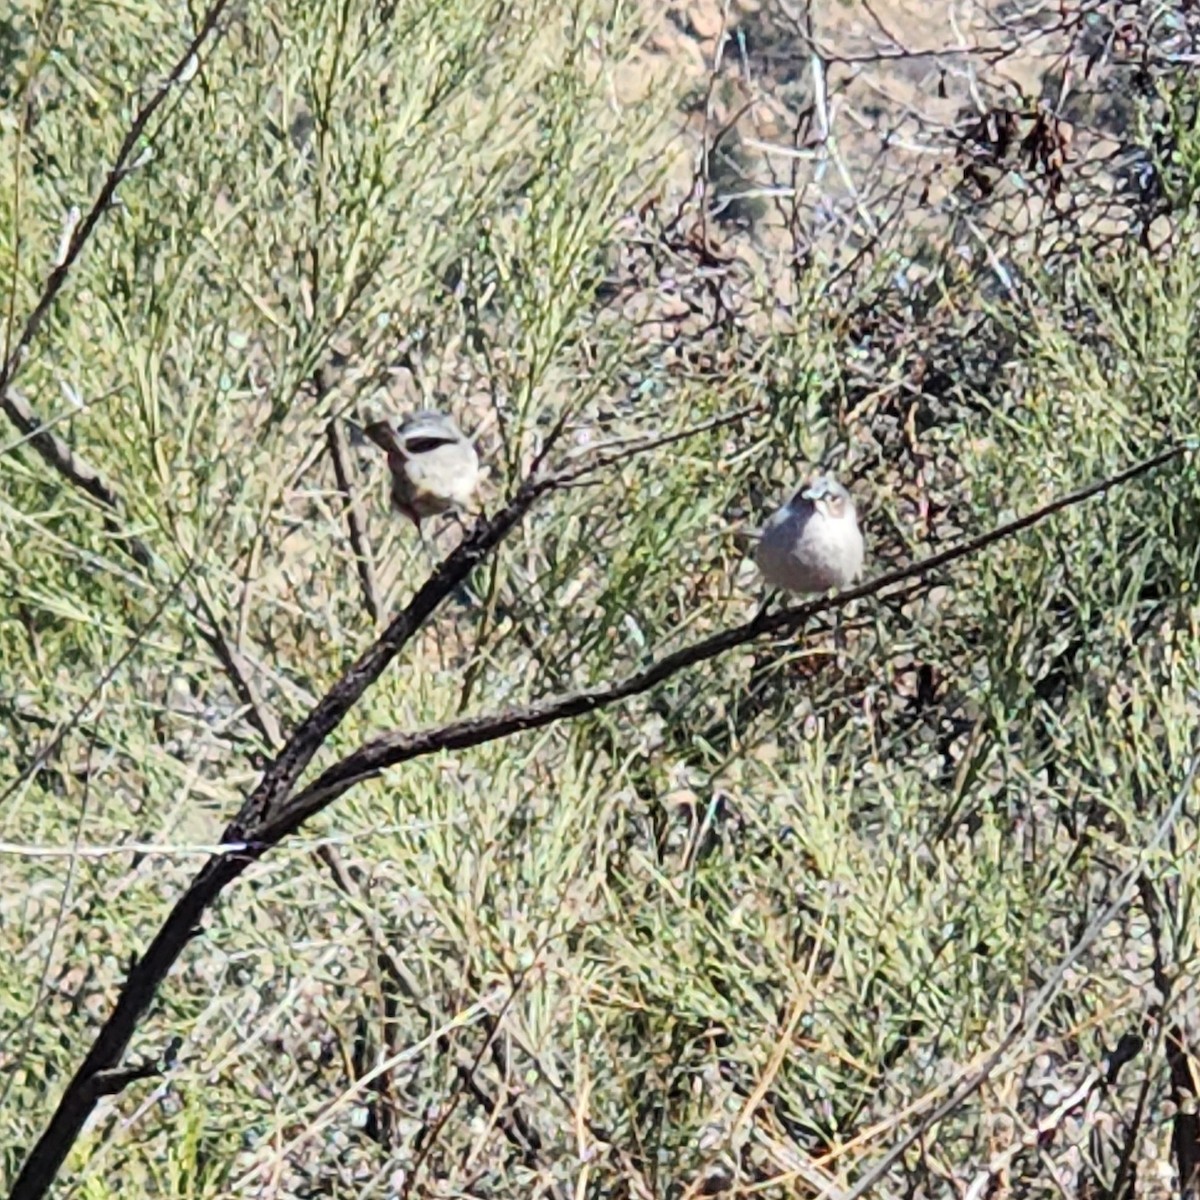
336, 438
1185, 1134
42, 755
91, 1080
239, 675
509, 1118
73, 467
397, 747
52, 448
512, 1123
590, 461
55, 451
98, 1074
268, 814
1032, 1011
604, 454
987, 1181
434, 1130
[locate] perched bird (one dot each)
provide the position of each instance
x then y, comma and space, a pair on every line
434, 466
813, 542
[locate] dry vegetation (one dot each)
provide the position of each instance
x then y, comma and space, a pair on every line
904, 912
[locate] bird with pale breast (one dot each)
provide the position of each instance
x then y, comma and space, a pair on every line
813, 543
434, 466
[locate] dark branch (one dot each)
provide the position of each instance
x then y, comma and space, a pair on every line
259, 810
394, 748
85, 228
271, 811
151, 969
53, 449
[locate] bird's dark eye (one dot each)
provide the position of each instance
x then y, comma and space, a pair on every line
423, 445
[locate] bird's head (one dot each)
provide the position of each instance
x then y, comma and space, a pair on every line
828, 497
417, 434
427, 430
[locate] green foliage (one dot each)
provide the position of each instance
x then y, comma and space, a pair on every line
768, 914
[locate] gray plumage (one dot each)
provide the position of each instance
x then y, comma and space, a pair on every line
813, 543
435, 468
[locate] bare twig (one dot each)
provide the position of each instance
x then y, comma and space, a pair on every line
466, 1071
237, 670
260, 811
74, 468
604, 454
51, 448
42, 756
1033, 1139
394, 748
1185, 1133
108, 1049
1033, 1008
338, 452
510, 1119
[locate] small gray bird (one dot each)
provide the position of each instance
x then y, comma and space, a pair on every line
434, 466
813, 542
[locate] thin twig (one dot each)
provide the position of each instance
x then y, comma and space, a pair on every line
1033, 1139
53, 449
235, 667
1033, 1009
259, 811
48, 747
510, 1120
397, 747
335, 437
605, 454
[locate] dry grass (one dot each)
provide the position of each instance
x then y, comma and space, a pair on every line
745, 933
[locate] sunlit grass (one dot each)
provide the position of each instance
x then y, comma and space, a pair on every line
775, 908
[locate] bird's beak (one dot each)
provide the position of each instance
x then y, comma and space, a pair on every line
815, 491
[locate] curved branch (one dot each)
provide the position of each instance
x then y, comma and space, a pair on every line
180, 73
261, 810
49, 446
87, 1084
397, 747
